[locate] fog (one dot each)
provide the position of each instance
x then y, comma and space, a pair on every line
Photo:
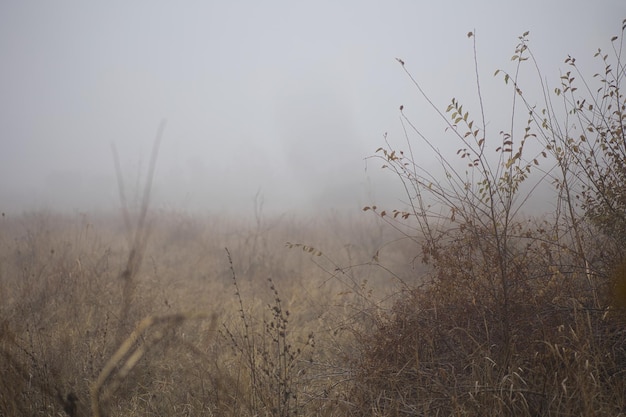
283, 100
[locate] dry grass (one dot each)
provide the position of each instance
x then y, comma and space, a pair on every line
63, 289
268, 329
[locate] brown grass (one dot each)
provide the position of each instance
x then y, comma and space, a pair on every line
272, 348
276, 329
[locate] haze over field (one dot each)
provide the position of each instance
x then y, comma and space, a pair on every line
284, 99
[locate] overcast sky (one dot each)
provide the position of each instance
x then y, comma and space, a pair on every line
285, 98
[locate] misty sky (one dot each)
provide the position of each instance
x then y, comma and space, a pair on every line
285, 98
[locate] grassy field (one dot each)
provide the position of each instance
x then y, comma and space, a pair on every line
238, 321
281, 316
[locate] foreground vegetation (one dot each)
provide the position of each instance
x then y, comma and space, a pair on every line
458, 304
261, 327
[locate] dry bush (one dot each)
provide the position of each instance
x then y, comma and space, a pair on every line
519, 316
440, 352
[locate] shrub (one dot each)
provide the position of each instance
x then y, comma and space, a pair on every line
516, 316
